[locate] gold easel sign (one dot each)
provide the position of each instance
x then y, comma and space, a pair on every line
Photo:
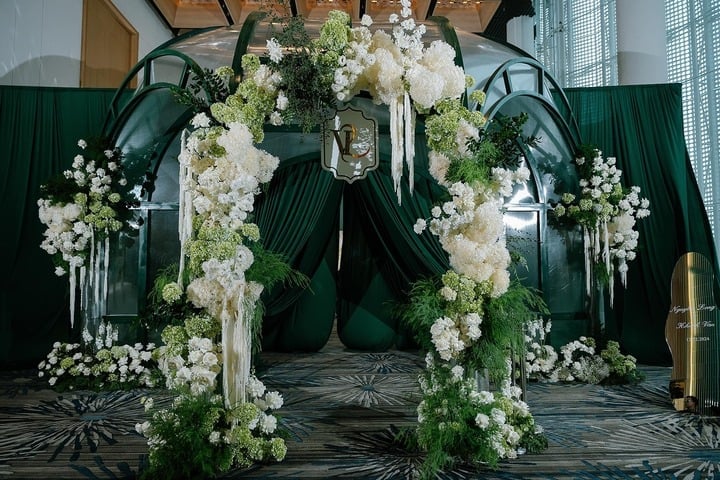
349, 147
692, 333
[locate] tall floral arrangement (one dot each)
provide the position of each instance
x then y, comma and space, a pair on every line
217, 290
81, 208
607, 213
470, 319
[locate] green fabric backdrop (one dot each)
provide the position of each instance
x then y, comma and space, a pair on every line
298, 217
39, 130
382, 256
643, 127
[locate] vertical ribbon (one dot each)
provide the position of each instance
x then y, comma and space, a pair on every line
396, 142
409, 125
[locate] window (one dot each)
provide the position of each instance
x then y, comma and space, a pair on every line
693, 44
576, 41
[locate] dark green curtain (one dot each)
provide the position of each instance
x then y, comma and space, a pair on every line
298, 218
643, 127
39, 130
382, 255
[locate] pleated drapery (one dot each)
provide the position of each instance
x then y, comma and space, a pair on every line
642, 126
39, 131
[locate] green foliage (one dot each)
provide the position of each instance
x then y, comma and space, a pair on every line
503, 328
623, 368
534, 442
307, 72
158, 312
456, 422
500, 142
187, 452
424, 306
205, 88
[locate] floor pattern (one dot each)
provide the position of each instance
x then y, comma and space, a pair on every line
342, 411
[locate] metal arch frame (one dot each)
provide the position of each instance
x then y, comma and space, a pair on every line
117, 116
541, 206
116, 111
502, 73
549, 107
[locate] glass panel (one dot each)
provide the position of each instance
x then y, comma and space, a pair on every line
163, 242
522, 233
122, 275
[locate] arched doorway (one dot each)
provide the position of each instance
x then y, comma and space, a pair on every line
304, 208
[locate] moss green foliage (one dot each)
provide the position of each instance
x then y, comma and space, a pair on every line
202, 439
623, 368
423, 307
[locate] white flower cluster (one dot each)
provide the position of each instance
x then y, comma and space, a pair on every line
472, 232
66, 233
505, 180
451, 337
264, 423
107, 335
68, 364
623, 238
446, 338
577, 361
223, 283
72, 225
540, 359
198, 371
224, 188
388, 66
602, 182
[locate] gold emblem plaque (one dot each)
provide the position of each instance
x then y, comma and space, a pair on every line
691, 331
349, 147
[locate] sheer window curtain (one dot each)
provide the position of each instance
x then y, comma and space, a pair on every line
693, 41
577, 41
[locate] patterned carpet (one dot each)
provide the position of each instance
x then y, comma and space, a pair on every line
342, 409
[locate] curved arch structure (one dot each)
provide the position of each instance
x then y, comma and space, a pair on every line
148, 127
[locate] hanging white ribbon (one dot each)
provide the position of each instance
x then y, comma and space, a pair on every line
106, 266
184, 206
587, 250
611, 285
402, 141
409, 140
73, 285
396, 142
237, 348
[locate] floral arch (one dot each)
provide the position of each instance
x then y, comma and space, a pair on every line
229, 152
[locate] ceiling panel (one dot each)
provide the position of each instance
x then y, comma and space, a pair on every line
180, 15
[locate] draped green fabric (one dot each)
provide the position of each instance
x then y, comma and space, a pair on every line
382, 256
39, 130
642, 126
298, 218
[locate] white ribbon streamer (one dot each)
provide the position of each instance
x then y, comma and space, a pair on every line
409, 140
